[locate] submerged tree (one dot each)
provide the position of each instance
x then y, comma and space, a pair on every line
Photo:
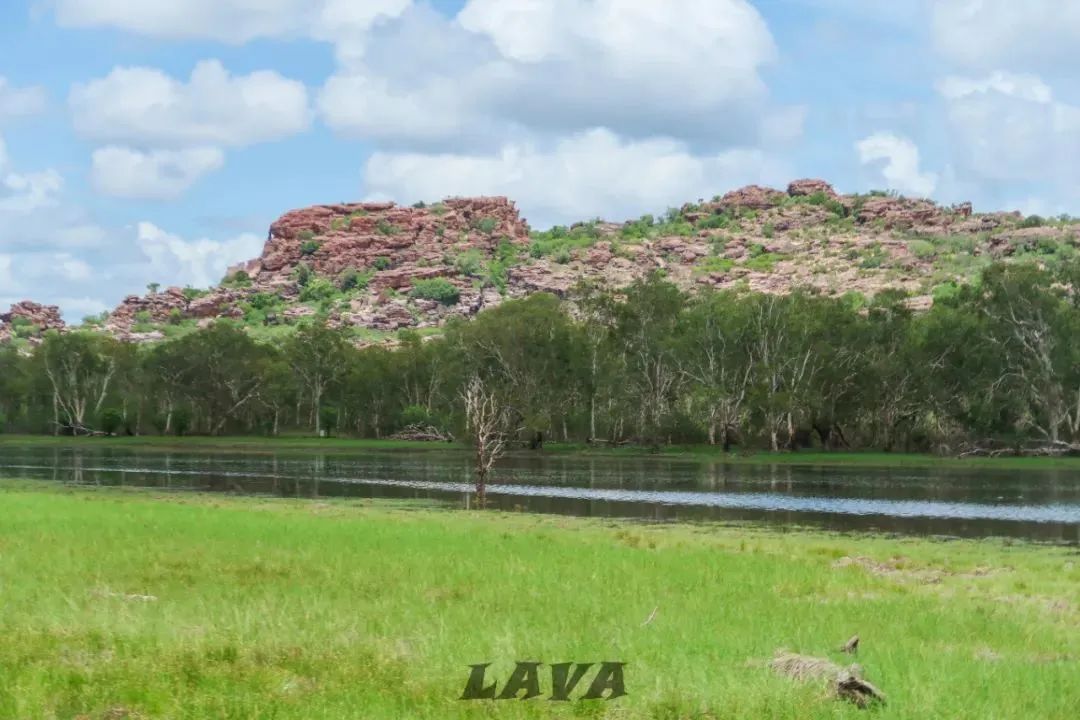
487, 419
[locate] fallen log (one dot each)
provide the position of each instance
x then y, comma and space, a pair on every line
845, 683
424, 433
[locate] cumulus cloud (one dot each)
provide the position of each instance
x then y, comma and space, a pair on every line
689, 69
1010, 127
577, 177
985, 34
156, 175
899, 161
231, 21
144, 106
23, 193
175, 261
19, 102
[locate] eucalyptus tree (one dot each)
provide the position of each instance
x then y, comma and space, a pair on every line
715, 362
80, 368
317, 354
645, 336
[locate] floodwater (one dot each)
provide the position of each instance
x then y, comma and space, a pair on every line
1041, 505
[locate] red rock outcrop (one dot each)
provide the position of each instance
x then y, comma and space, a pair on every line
807, 187
334, 238
767, 240
752, 197
32, 315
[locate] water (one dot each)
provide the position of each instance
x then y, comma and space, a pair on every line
1039, 505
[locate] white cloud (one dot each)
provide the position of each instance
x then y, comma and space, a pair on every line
23, 193
591, 173
72, 268
160, 174
20, 102
203, 262
1027, 34
900, 158
1011, 128
231, 21
689, 69
144, 106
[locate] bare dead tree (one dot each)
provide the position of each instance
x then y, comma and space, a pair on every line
486, 420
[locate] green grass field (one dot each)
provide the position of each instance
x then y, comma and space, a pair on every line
285, 445
138, 604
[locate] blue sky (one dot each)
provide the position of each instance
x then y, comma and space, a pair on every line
156, 140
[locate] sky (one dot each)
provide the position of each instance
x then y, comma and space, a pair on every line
156, 140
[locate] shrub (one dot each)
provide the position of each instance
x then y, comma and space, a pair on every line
469, 263
922, 249
381, 263
715, 265
386, 228
769, 231
487, 225
240, 278
874, 258
309, 247
420, 205
306, 235
303, 273
351, 280
763, 263
438, 289
110, 420
318, 289
563, 256
1032, 221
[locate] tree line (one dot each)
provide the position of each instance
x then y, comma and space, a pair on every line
994, 367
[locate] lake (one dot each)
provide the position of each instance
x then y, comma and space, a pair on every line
1041, 505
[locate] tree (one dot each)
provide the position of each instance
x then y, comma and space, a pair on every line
716, 364
80, 367
486, 419
644, 332
317, 355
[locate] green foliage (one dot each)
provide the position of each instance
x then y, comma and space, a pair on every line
303, 274
769, 231
387, 228
714, 265
309, 247
239, 279
922, 249
763, 262
191, 293
640, 229
381, 263
562, 241
487, 225
470, 263
352, 280
306, 235
1032, 221
110, 420
317, 290
718, 221
438, 289
873, 257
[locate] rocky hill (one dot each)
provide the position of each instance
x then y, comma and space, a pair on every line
378, 267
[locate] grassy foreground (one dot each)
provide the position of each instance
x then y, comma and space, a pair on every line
189, 606
284, 445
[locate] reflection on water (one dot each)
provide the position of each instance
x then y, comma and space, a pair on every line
1043, 505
